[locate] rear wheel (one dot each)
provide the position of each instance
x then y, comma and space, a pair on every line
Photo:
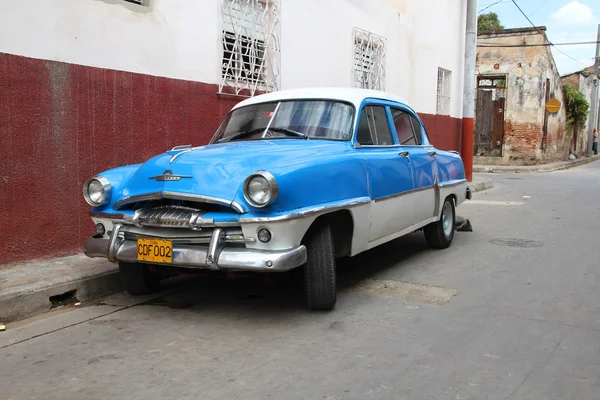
439, 234
320, 289
138, 278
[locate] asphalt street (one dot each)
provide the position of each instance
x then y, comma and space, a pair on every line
510, 311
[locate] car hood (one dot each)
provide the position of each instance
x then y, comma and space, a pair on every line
219, 170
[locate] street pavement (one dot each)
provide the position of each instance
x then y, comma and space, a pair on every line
510, 311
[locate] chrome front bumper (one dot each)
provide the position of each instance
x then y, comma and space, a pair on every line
215, 256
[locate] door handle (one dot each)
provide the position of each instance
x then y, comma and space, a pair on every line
404, 154
432, 153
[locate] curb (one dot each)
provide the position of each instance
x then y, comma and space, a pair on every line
533, 168
480, 185
34, 283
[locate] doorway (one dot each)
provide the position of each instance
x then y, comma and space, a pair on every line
489, 115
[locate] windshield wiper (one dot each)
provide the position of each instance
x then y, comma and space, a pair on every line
289, 132
285, 131
241, 134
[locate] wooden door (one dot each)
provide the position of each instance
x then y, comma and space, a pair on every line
484, 119
498, 124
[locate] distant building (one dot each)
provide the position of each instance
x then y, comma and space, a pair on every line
516, 76
583, 81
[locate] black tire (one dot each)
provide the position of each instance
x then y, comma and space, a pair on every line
320, 290
438, 235
138, 278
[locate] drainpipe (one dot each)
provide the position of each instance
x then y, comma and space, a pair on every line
469, 89
594, 100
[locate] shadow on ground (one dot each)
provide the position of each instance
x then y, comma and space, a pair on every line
280, 291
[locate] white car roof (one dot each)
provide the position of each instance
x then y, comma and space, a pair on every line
352, 95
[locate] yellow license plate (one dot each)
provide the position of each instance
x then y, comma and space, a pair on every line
155, 250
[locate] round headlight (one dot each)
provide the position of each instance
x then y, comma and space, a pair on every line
260, 189
96, 191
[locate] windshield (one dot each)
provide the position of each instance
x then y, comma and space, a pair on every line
300, 119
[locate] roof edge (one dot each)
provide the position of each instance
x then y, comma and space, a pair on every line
512, 31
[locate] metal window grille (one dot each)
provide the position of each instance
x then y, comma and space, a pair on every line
443, 91
369, 60
250, 43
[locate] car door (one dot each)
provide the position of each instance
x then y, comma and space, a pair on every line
388, 172
411, 136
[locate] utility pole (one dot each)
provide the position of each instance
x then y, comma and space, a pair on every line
594, 106
469, 89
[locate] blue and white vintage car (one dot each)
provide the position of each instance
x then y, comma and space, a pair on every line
291, 179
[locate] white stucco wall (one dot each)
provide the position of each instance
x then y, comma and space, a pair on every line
421, 36
181, 39
437, 40
172, 38
586, 85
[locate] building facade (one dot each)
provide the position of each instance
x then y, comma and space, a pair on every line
92, 84
516, 76
583, 81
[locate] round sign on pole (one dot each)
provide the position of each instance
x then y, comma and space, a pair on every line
553, 105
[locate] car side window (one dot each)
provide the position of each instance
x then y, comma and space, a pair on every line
417, 129
404, 127
373, 127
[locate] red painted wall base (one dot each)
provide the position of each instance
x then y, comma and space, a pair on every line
466, 150
62, 123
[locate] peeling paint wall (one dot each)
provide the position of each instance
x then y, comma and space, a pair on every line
584, 83
527, 70
557, 145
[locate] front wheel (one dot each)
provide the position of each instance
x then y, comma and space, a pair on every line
320, 289
439, 234
138, 278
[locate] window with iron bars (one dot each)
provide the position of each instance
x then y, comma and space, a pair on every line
369, 60
443, 91
246, 55
250, 40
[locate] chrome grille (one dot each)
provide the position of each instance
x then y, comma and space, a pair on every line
167, 216
171, 217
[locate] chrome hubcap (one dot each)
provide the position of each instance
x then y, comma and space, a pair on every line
447, 218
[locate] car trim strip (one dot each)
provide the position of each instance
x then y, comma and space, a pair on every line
435, 184
103, 215
411, 191
436, 191
307, 213
453, 183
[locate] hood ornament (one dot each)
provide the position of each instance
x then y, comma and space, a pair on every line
169, 176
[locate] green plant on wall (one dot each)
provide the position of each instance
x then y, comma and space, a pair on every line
576, 107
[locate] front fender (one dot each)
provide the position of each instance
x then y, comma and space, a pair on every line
118, 178
311, 183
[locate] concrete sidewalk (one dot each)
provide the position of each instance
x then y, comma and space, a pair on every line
556, 166
34, 287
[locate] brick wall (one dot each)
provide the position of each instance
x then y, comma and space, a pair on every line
522, 140
572, 79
